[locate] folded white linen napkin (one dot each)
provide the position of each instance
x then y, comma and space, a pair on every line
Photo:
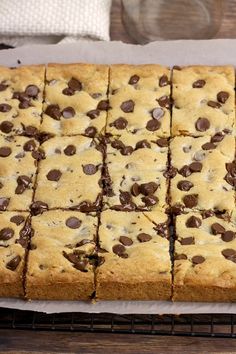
53, 21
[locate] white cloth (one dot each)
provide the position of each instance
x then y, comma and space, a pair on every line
53, 21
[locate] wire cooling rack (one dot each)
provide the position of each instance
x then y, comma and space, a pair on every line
206, 325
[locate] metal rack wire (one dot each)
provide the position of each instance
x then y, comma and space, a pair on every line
206, 325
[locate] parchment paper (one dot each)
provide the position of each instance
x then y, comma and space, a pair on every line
208, 52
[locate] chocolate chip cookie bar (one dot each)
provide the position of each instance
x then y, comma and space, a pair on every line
134, 261
203, 171
18, 160
75, 99
135, 173
69, 176
14, 235
203, 100
205, 258
21, 96
61, 256
139, 100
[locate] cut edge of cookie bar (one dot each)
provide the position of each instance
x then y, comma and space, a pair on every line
204, 258
15, 232
218, 114
130, 81
61, 264
126, 274
65, 111
21, 99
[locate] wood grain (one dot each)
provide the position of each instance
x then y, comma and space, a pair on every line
227, 29
50, 342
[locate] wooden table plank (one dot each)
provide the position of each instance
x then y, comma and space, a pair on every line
100, 343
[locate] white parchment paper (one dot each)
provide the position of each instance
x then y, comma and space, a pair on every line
207, 52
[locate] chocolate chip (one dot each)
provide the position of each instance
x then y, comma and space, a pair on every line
96, 95
134, 79
126, 241
195, 167
5, 151
17, 219
13, 263
38, 154
4, 107
126, 150
89, 169
94, 113
171, 172
3, 87
180, 256
30, 145
229, 254
73, 222
213, 104
217, 137
216, 228
54, 175
143, 237
199, 83
222, 96
68, 112
4, 203
120, 123
30, 131
135, 191
198, 259
70, 150
177, 67
193, 222
53, 111
127, 106
228, 236
76, 260
6, 126
190, 200
6, 234
148, 188
119, 250
208, 146
157, 113
117, 144
68, 91
230, 180
164, 101
125, 197
207, 214
184, 185
75, 84
38, 207
32, 91
153, 124
162, 142
103, 105
187, 241
150, 200
100, 261
24, 104
202, 124
90, 132
142, 144
162, 229
163, 81
231, 168
24, 180
185, 171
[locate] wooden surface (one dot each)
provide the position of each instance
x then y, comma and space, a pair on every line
15, 341
18, 342
227, 29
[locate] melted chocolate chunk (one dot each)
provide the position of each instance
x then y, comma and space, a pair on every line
6, 234
120, 123
4, 107
103, 105
202, 124
5, 151
153, 125
32, 91
6, 126
163, 81
126, 241
198, 260
142, 144
199, 84
94, 113
222, 96
30, 145
133, 79
216, 228
75, 84
148, 188
127, 106
193, 222
228, 236
17, 219
213, 104
4, 202
184, 185
120, 251
190, 200
73, 222
157, 113
54, 175
68, 112
13, 263
38, 207
89, 169
53, 111
143, 237
187, 241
